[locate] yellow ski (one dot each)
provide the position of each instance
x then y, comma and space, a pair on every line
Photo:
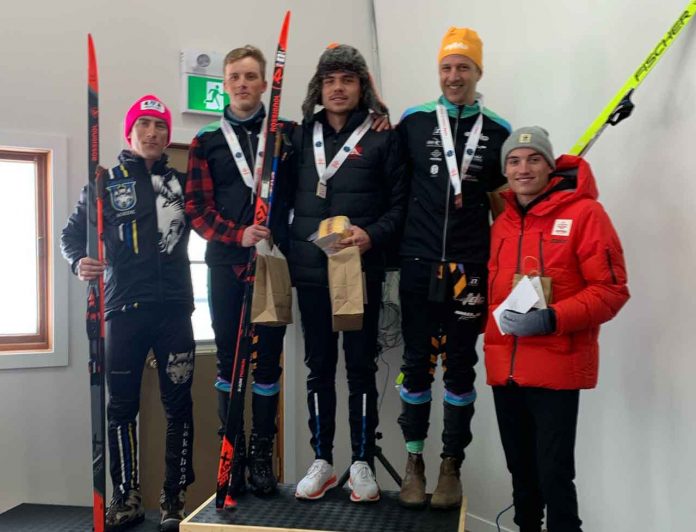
620, 106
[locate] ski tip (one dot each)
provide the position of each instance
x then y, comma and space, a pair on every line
92, 65
283, 40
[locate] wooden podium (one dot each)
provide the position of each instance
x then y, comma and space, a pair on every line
333, 513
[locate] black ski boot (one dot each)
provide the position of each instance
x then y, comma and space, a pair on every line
262, 481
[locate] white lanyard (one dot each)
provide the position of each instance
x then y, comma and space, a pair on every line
443, 123
238, 155
326, 173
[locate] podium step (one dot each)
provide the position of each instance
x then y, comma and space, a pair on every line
334, 513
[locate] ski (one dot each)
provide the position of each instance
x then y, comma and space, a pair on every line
246, 340
95, 294
620, 106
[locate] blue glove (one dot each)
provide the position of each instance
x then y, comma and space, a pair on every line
533, 323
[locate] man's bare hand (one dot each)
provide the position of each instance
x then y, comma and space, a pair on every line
359, 238
89, 269
254, 234
380, 123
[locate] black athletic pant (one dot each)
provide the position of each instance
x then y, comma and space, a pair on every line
130, 335
448, 329
226, 294
537, 429
321, 357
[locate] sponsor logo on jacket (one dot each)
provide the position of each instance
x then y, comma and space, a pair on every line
561, 227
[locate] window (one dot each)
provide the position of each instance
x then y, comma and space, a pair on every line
25, 317
202, 329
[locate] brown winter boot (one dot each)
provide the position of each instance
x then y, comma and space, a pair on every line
448, 493
412, 494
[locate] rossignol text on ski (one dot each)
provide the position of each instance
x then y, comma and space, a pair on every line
95, 297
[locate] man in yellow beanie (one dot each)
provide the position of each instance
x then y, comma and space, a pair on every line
453, 146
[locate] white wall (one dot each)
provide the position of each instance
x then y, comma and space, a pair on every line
557, 63
45, 435
554, 63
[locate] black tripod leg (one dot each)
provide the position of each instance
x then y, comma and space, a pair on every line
344, 478
385, 463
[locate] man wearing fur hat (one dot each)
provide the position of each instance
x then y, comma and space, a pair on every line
362, 178
553, 229
148, 303
223, 159
453, 146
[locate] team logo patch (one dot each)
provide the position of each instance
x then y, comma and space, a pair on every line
561, 227
434, 169
123, 195
180, 367
152, 105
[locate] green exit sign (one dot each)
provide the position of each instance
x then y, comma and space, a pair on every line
203, 95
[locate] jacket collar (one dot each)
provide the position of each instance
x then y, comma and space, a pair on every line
356, 117
462, 111
571, 180
253, 120
159, 167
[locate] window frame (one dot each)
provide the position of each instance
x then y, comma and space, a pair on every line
42, 338
55, 352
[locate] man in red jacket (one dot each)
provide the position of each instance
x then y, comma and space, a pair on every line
553, 228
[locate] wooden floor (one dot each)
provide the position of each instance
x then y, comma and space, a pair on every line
334, 513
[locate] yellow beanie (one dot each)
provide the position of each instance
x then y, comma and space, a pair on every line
462, 41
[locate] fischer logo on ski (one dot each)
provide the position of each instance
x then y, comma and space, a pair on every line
620, 106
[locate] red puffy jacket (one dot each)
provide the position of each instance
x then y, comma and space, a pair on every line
566, 235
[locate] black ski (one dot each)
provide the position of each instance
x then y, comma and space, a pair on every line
95, 295
246, 340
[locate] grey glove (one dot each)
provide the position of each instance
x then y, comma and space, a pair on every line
533, 323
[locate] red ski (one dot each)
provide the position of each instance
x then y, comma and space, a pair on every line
95, 294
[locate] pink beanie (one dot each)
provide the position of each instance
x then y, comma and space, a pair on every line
148, 105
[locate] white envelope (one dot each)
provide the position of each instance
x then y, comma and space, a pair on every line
523, 297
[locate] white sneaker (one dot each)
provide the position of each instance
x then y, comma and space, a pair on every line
320, 477
363, 483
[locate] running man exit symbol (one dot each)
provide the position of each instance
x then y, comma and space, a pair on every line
214, 100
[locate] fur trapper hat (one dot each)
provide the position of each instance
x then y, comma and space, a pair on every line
342, 58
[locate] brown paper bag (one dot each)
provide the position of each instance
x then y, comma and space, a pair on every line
271, 303
346, 286
546, 286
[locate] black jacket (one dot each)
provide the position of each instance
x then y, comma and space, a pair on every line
212, 168
369, 188
430, 215
145, 235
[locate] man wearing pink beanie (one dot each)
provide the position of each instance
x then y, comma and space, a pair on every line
149, 300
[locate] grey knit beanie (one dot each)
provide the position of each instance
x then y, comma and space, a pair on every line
339, 58
533, 137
